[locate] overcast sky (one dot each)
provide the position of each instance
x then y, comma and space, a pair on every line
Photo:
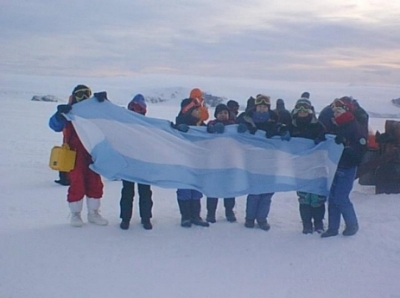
308, 40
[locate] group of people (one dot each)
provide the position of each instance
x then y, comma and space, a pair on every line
343, 117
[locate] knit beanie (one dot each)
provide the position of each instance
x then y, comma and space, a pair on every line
219, 108
305, 95
138, 104
232, 104
196, 93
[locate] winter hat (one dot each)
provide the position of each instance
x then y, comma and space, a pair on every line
189, 104
219, 108
262, 99
344, 102
138, 104
305, 95
232, 104
81, 92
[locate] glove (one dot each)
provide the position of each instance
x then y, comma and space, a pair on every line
101, 96
219, 127
286, 136
252, 130
339, 140
282, 129
269, 133
242, 128
210, 128
63, 109
181, 127
321, 138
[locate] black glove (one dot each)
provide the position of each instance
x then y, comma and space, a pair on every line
219, 127
282, 129
339, 139
181, 127
101, 96
64, 109
210, 128
321, 138
252, 130
269, 133
242, 128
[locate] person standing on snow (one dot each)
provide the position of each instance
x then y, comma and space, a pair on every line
259, 116
83, 181
306, 125
189, 199
222, 118
352, 135
138, 105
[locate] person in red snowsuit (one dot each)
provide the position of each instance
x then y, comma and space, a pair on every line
83, 181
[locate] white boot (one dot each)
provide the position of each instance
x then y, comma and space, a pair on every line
94, 216
76, 209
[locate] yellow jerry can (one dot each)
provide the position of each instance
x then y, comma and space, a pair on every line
62, 158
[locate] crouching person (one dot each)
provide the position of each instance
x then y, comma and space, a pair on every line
83, 181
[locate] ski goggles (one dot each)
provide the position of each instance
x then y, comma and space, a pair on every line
137, 107
341, 103
303, 107
82, 94
262, 100
194, 104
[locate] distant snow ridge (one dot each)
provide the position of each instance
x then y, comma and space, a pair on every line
179, 93
49, 98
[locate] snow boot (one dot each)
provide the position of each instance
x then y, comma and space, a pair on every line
229, 203
184, 208
329, 233
212, 204
195, 208
64, 180
318, 214
350, 230
76, 209
249, 223
264, 225
146, 223
305, 214
94, 216
124, 225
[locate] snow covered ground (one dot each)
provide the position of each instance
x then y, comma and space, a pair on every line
41, 256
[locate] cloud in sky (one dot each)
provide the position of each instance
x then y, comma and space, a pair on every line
352, 41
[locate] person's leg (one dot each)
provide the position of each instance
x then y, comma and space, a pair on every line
126, 203
211, 209
183, 197
229, 204
195, 208
145, 205
263, 211
252, 203
306, 218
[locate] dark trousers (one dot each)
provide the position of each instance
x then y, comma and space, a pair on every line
212, 204
126, 203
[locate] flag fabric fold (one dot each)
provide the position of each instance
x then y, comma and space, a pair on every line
126, 145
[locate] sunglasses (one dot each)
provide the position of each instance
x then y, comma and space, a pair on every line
82, 94
195, 103
262, 100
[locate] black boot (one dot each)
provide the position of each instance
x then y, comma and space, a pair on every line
64, 179
211, 209
350, 230
229, 203
305, 214
249, 223
329, 233
264, 225
195, 208
184, 208
124, 225
318, 214
146, 223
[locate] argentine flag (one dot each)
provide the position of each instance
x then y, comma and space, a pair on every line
126, 145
